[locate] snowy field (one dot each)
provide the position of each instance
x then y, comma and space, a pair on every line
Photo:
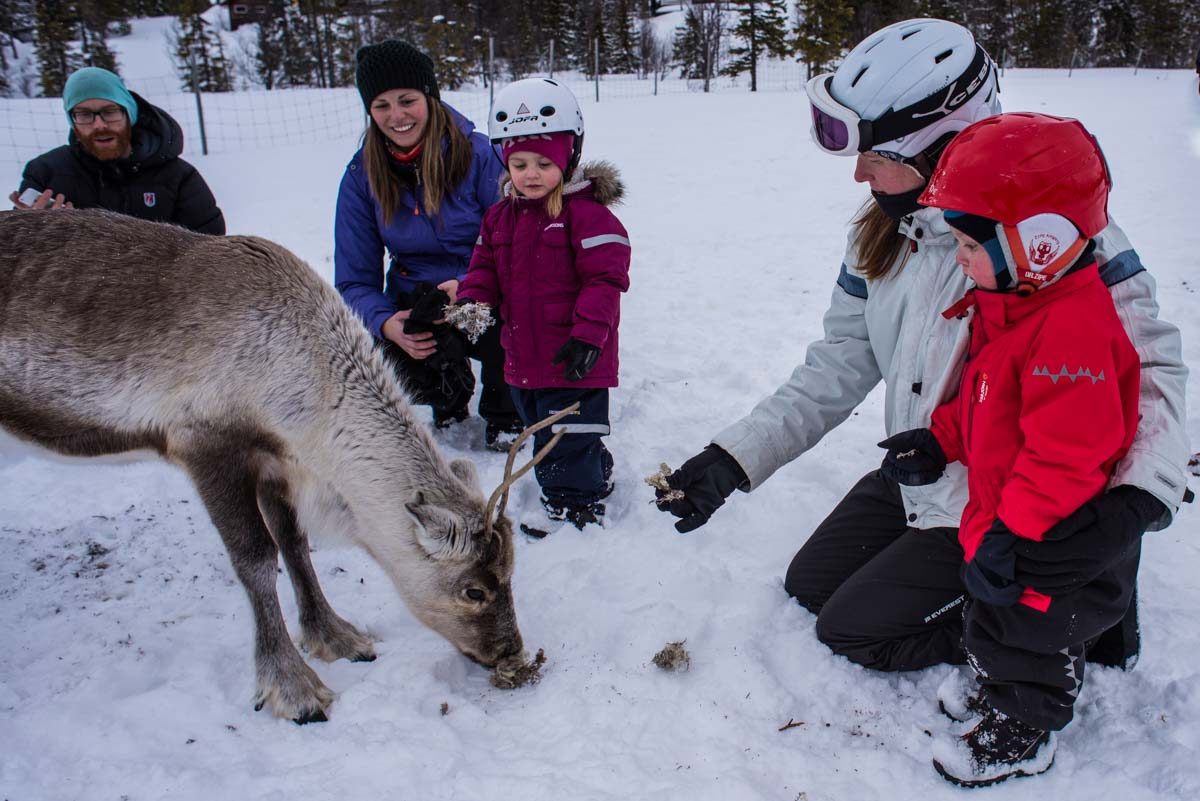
128, 670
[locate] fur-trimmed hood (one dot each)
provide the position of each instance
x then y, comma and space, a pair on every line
601, 177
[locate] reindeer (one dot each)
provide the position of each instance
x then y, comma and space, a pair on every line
231, 358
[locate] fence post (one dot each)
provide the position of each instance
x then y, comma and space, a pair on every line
1071, 68
1137, 63
656, 81
551, 58
597, 75
199, 105
491, 72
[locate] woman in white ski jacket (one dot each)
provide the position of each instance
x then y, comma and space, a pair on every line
882, 571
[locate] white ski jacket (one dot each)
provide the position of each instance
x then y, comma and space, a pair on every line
892, 329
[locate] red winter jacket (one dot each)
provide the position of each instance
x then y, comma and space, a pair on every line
553, 279
1046, 407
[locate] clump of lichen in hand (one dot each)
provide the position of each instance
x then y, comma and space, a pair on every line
470, 318
664, 493
513, 673
673, 656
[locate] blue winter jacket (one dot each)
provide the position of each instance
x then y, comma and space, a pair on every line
420, 248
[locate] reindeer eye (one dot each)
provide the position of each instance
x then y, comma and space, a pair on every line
476, 594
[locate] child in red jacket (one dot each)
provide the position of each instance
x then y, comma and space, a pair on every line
554, 260
1046, 407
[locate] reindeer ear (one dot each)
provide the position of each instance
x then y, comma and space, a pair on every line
464, 471
439, 532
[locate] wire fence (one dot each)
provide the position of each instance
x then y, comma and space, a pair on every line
259, 119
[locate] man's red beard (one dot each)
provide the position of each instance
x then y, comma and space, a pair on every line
117, 146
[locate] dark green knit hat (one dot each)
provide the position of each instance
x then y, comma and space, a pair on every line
393, 64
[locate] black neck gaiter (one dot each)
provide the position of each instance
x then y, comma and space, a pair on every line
899, 206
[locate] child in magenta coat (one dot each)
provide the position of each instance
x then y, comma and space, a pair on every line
554, 260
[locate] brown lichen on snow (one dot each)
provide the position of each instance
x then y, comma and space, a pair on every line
514, 673
673, 657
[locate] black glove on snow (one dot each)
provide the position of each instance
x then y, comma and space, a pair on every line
1094, 538
705, 480
990, 576
580, 358
914, 458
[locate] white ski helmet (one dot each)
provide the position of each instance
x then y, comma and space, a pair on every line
534, 106
904, 90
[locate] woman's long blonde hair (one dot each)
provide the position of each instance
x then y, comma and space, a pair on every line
440, 172
879, 240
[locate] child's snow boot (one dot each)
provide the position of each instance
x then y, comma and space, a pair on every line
997, 748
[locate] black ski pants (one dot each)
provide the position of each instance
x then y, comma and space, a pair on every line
886, 595
889, 597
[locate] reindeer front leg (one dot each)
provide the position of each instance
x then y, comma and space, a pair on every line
226, 478
324, 634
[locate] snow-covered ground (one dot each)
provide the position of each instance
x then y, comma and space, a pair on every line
128, 670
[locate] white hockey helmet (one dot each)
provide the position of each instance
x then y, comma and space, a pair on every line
904, 91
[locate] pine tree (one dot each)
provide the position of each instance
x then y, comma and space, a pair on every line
822, 32
698, 42
57, 59
94, 17
1117, 34
521, 48
555, 22
448, 42
589, 37
762, 27
197, 50
284, 56
622, 37
1039, 35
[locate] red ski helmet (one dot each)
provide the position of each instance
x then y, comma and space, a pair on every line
1015, 167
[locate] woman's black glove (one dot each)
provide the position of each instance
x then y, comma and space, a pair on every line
580, 358
914, 458
705, 480
991, 576
1094, 538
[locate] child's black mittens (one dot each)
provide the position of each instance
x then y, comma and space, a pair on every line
914, 458
578, 358
990, 576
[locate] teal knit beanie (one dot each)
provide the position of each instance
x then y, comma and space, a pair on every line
94, 83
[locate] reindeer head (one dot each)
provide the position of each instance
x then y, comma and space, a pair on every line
467, 596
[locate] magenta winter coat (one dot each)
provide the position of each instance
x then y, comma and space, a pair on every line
554, 278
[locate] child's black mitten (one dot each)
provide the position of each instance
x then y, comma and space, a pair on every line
579, 357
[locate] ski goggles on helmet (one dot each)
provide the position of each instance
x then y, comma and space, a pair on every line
839, 130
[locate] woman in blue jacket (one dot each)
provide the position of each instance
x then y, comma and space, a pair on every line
415, 193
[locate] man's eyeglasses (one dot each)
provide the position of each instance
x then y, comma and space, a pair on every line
84, 116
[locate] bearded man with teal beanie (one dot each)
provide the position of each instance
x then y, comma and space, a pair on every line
122, 154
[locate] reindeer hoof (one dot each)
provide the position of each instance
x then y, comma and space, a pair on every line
366, 657
316, 716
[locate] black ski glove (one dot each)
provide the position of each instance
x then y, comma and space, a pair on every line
1094, 538
705, 480
914, 458
991, 576
580, 358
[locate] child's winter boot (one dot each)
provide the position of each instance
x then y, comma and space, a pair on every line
997, 748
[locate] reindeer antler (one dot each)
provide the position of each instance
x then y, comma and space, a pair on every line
510, 478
